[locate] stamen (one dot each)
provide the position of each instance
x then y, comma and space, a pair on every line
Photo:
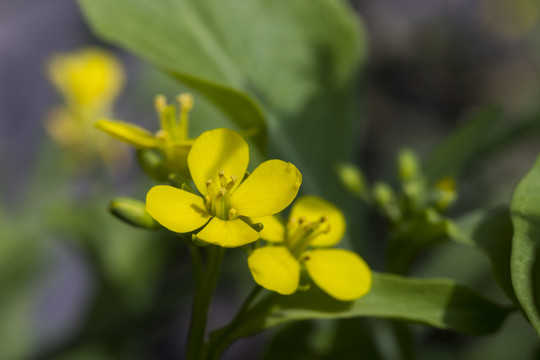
231, 183
210, 188
327, 230
222, 178
186, 102
221, 192
160, 103
301, 233
161, 134
233, 214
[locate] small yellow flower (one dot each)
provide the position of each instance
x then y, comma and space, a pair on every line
218, 161
313, 223
90, 79
172, 140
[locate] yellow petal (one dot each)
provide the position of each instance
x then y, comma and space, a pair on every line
228, 233
273, 230
128, 133
215, 150
274, 268
313, 208
340, 273
271, 187
178, 210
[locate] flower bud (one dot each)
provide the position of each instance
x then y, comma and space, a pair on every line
408, 165
352, 179
132, 212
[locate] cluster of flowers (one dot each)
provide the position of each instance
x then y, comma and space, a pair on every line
231, 208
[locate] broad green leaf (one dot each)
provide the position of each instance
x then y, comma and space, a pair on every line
524, 264
453, 154
491, 232
178, 37
298, 59
439, 303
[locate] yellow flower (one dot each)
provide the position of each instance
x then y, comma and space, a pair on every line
89, 79
218, 161
314, 223
172, 141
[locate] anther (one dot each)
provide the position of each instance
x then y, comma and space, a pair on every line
233, 214
161, 134
220, 193
222, 178
210, 188
160, 103
231, 183
186, 101
327, 230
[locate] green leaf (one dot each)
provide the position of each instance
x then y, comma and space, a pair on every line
490, 231
439, 303
176, 38
524, 264
453, 154
298, 59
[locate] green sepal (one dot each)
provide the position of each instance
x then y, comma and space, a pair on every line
133, 212
153, 163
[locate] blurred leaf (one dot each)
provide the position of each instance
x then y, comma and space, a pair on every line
439, 303
482, 134
299, 59
524, 264
453, 154
490, 231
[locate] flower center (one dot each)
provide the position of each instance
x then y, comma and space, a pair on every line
300, 233
218, 200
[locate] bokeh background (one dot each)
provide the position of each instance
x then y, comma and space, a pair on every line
429, 63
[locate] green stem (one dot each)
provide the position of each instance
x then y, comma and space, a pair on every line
202, 298
197, 265
217, 346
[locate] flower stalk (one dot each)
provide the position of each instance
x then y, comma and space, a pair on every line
205, 284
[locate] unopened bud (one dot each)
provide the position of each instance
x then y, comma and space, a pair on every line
408, 165
352, 179
132, 212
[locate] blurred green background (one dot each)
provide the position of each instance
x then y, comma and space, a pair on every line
75, 283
